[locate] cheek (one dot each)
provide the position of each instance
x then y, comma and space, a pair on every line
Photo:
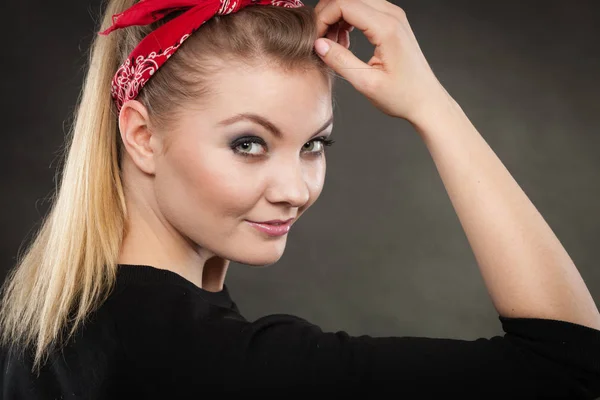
202, 185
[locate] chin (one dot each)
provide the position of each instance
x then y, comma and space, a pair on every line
256, 253
260, 259
260, 262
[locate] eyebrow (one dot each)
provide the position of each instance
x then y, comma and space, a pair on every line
271, 127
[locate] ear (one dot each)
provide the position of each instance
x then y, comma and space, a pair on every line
140, 143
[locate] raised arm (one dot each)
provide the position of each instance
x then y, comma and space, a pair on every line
526, 270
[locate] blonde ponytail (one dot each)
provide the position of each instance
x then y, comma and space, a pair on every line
70, 267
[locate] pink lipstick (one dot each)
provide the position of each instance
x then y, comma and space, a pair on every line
273, 228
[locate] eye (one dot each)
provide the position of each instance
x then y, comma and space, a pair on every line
317, 146
314, 146
249, 146
253, 146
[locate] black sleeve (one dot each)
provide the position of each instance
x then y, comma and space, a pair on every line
535, 359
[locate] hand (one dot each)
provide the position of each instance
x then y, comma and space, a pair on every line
397, 79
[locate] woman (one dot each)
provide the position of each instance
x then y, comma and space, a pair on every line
176, 168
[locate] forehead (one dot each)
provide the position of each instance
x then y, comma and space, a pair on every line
286, 97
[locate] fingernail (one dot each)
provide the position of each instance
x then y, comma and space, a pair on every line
322, 47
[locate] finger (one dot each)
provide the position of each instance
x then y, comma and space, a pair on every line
380, 5
344, 26
323, 26
346, 64
344, 38
332, 33
320, 5
358, 14
389, 8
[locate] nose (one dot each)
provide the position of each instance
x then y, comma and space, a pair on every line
289, 184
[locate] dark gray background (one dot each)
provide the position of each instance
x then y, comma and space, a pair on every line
382, 251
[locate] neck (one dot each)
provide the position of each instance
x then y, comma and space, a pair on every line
150, 240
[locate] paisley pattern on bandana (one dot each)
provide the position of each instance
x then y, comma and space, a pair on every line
288, 3
156, 48
132, 75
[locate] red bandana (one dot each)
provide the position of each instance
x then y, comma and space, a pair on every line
156, 48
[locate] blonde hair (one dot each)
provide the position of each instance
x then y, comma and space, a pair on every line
69, 268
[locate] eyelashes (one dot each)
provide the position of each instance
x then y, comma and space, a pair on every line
245, 145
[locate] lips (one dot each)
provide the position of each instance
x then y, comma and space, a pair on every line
275, 221
273, 227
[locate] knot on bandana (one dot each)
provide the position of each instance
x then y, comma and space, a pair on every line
159, 45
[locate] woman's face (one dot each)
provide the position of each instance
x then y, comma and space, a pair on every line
252, 154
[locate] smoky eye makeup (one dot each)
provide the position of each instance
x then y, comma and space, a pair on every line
254, 146
246, 139
248, 146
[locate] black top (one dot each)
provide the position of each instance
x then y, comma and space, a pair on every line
160, 336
